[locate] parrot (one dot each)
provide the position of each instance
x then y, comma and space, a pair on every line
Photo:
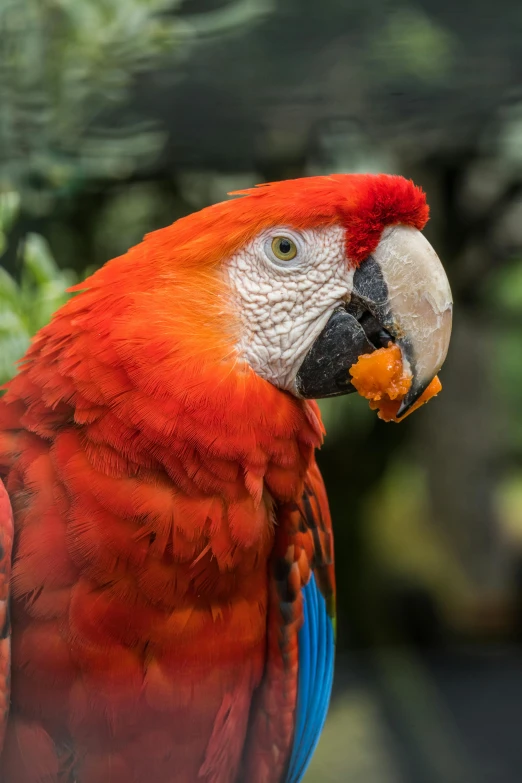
167, 586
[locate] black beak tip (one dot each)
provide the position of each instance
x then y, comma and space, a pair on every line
404, 407
416, 391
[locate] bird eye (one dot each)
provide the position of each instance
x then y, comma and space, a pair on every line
284, 248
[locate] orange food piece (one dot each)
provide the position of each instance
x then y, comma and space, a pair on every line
380, 378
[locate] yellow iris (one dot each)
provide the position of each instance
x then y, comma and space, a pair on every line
284, 248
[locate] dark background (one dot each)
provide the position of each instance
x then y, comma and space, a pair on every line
118, 116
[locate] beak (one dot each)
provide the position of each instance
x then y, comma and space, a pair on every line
400, 294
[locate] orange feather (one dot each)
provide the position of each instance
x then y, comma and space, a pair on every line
147, 467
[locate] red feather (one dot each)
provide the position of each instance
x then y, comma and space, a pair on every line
155, 480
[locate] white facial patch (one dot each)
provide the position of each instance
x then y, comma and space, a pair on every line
284, 303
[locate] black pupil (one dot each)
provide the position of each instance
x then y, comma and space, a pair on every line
285, 246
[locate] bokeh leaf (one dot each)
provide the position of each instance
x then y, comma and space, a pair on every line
28, 305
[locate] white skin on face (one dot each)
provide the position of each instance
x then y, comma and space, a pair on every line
285, 304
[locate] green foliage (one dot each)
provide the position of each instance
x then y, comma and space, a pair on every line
128, 214
413, 45
503, 298
505, 290
27, 305
63, 65
345, 414
9, 205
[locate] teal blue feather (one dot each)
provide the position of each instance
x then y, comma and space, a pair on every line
315, 676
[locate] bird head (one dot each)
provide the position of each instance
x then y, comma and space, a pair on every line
291, 281
339, 269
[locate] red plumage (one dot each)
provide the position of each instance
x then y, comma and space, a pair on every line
153, 479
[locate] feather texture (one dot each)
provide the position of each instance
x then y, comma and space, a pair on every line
173, 560
316, 666
292, 701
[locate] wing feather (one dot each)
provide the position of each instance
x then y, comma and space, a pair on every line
292, 702
316, 648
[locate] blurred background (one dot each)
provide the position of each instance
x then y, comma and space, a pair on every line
118, 116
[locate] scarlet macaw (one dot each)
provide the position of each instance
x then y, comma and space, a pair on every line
172, 587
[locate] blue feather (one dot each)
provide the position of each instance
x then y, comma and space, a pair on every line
315, 676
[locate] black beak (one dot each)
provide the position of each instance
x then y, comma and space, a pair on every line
324, 372
400, 294
351, 331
